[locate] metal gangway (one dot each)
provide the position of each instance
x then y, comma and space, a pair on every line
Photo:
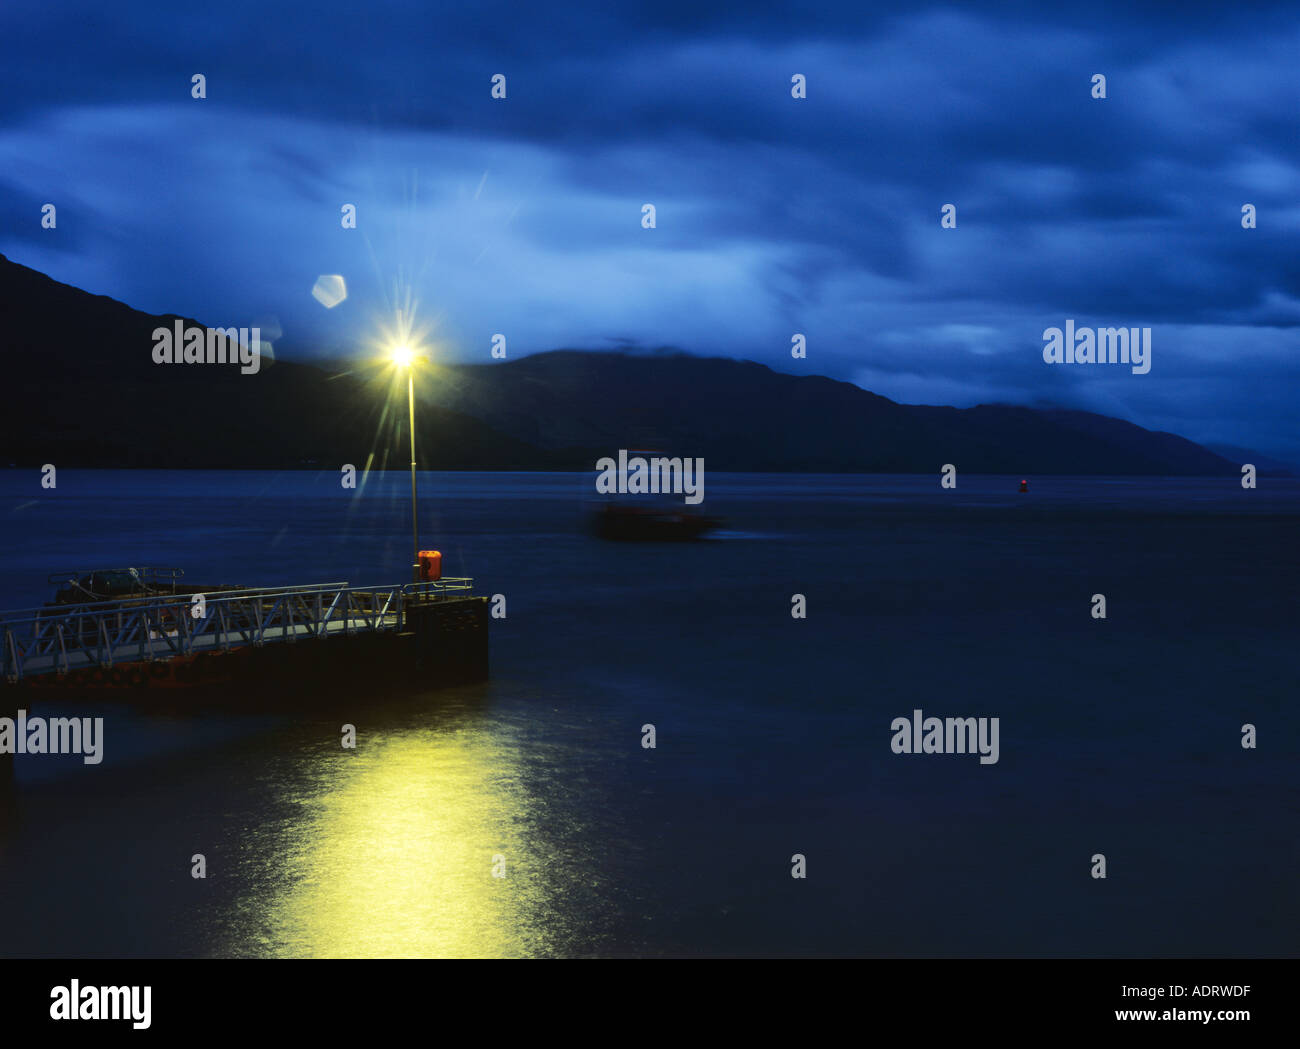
57, 639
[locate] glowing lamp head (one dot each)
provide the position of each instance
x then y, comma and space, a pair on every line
403, 355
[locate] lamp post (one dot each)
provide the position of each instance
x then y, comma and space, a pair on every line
404, 357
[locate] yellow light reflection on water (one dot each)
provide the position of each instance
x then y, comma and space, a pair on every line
395, 855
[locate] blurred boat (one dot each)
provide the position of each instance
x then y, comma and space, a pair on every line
650, 524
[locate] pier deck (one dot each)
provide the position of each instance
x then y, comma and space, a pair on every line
140, 637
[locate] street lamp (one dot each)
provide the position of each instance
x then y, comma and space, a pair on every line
404, 357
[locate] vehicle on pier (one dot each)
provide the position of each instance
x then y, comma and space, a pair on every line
81, 586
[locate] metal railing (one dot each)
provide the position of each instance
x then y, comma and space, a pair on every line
56, 639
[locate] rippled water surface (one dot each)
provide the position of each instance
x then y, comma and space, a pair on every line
773, 734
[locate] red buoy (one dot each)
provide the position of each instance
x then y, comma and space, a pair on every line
1024, 486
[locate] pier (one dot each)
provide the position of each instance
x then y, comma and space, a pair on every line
435, 631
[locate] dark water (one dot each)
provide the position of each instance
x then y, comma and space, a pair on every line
1119, 737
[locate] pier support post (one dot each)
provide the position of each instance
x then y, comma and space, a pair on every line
451, 639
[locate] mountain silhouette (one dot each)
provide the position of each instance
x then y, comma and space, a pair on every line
82, 390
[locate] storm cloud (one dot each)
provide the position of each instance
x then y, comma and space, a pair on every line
775, 215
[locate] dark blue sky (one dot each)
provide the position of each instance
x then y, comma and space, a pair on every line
774, 215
